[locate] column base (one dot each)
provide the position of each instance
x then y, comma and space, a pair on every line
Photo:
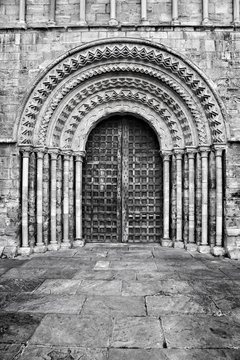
218, 251
40, 249
23, 24
234, 254
25, 251
66, 245
144, 22
191, 247
113, 22
79, 243
166, 243
204, 249
54, 247
82, 23
175, 22
178, 245
206, 22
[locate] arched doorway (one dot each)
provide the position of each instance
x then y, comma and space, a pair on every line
122, 183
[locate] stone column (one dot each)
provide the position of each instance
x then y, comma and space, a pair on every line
236, 12
144, 20
113, 17
218, 249
53, 202
78, 197
52, 14
179, 182
191, 195
40, 246
66, 159
175, 20
204, 247
166, 198
22, 12
25, 249
205, 12
82, 13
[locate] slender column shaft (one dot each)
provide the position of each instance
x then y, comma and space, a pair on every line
53, 241
25, 172
52, 15
143, 10
66, 160
191, 204
174, 10
82, 13
179, 233
219, 197
22, 11
113, 9
236, 11
78, 198
40, 198
166, 195
204, 160
205, 11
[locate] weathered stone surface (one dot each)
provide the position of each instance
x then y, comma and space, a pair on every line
137, 332
121, 306
100, 287
63, 304
169, 354
33, 352
63, 330
59, 286
19, 285
155, 287
9, 351
17, 328
105, 275
201, 332
129, 265
179, 304
156, 275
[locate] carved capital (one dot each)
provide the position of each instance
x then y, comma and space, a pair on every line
79, 155
40, 151
54, 152
205, 150
67, 154
26, 150
178, 153
166, 155
191, 151
219, 150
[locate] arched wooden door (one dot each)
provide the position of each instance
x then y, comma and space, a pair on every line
122, 183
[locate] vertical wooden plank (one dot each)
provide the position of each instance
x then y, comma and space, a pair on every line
125, 171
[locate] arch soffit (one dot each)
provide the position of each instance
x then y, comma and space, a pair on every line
124, 49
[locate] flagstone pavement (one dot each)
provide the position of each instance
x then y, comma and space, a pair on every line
119, 302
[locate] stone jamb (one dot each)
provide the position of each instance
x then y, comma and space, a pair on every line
79, 157
179, 183
166, 156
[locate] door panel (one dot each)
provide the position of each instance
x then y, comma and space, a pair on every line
122, 183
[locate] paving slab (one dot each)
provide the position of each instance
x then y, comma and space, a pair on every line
18, 328
164, 274
105, 275
100, 287
42, 273
9, 351
59, 286
201, 332
33, 352
19, 285
179, 304
64, 304
133, 265
63, 330
169, 354
137, 332
114, 306
151, 287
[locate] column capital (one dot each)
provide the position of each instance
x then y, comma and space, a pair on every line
25, 150
166, 154
179, 153
219, 149
191, 152
79, 155
204, 149
40, 151
54, 152
66, 154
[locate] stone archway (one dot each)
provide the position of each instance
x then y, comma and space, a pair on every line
119, 76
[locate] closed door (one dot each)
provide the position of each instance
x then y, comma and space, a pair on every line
122, 183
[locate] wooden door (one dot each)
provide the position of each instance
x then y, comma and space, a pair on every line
122, 183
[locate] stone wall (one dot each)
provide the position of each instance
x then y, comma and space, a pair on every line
24, 53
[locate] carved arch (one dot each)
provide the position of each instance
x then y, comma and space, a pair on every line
173, 78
